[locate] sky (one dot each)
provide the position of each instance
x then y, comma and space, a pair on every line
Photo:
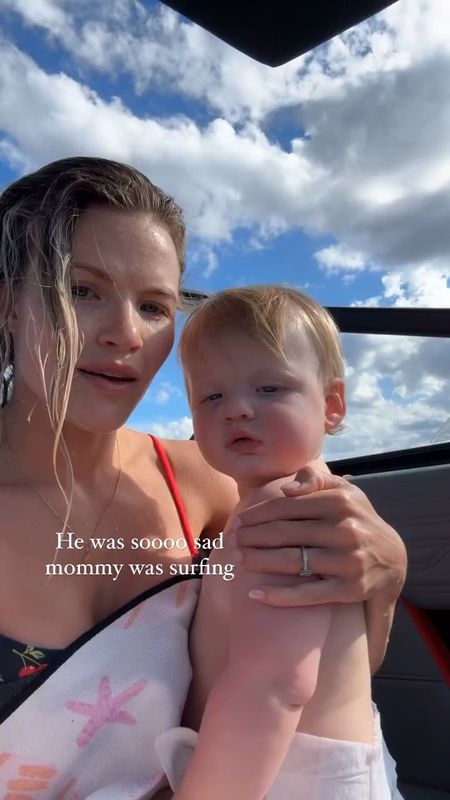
330, 173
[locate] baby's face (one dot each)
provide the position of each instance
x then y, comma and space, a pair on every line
257, 418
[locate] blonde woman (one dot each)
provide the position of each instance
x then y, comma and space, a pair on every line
93, 655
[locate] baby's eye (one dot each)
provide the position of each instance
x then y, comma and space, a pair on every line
268, 389
211, 397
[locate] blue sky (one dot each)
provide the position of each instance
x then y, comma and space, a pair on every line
330, 173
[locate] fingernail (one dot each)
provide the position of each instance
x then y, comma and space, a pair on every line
257, 594
292, 485
235, 524
237, 555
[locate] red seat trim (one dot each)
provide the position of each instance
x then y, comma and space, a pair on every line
433, 641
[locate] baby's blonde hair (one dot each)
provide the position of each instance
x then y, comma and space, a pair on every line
266, 313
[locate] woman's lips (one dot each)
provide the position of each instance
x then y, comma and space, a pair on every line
108, 384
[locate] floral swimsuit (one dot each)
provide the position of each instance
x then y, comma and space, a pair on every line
18, 660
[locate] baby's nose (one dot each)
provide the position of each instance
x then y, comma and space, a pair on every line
238, 408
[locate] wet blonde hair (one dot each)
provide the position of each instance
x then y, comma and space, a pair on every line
38, 216
266, 313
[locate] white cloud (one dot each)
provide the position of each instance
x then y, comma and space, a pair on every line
223, 178
398, 394
372, 172
157, 47
162, 397
205, 257
443, 434
164, 392
337, 258
171, 429
47, 14
368, 167
420, 286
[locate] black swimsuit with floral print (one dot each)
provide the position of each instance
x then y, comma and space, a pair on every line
20, 660
19, 665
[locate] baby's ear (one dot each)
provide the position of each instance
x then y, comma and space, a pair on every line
335, 406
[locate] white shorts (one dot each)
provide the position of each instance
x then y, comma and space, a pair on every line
314, 768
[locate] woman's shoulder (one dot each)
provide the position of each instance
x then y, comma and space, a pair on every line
215, 493
201, 486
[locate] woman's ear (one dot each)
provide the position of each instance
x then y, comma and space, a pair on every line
335, 406
12, 322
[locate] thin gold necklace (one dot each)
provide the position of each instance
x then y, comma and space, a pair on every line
88, 547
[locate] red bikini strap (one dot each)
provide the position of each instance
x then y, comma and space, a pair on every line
170, 477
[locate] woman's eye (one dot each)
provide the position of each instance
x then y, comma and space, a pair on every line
268, 389
80, 291
155, 310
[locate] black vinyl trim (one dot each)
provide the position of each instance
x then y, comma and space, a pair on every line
393, 321
387, 321
274, 33
413, 458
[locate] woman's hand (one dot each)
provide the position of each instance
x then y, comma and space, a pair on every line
354, 551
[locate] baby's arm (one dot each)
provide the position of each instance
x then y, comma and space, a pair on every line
254, 668
254, 705
244, 735
284, 644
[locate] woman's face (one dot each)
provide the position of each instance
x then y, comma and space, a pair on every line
125, 281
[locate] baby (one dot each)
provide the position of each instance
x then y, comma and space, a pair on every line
264, 376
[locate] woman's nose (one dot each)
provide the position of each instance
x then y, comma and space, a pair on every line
122, 327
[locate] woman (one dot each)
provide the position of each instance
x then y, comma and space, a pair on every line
94, 652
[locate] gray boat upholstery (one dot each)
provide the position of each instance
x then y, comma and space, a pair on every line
409, 689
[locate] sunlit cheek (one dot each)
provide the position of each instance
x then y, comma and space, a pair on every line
204, 432
198, 425
158, 346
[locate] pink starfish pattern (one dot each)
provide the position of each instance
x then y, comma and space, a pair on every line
181, 594
106, 710
69, 791
132, 616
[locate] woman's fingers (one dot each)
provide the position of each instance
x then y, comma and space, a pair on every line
327, 504
310, 480
289, 561
293, 533
357, 549
329, 590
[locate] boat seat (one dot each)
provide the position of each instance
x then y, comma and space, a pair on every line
411, 689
